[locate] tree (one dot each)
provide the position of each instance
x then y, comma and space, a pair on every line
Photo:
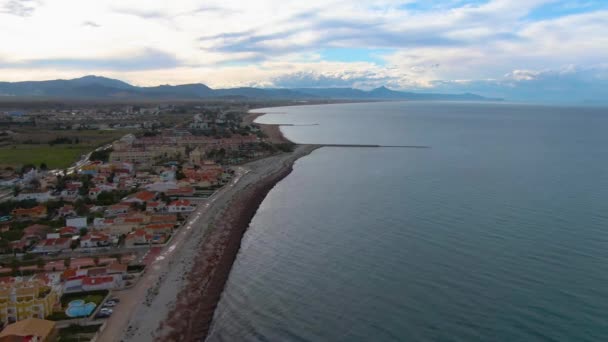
15, 264
66, 262
40, 263
83, 231
43, 166
118, 257
16, 190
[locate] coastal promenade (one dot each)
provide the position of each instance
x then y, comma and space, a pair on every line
145, 309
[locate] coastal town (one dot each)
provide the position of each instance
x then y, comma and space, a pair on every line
76, 239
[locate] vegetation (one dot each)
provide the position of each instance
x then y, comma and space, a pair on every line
77, 333
54, 157
102, 155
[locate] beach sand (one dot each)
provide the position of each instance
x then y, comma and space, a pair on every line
177, 295
273, 132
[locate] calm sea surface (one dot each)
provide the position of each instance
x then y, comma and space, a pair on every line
497, 232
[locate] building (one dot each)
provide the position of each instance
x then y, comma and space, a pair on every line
138, 237
38, 196
38, 212
159, 228
78, 222
21, 300
140, 197
68, 231
118, 209
95, 240
53, 245
108, 282
180, 192
181, 206
30, 330
155, 207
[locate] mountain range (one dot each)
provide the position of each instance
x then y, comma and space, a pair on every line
96, 87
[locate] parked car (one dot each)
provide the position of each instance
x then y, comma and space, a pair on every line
109, 304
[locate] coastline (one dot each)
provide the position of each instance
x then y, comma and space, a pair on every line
191, 318
176, 298
273, 132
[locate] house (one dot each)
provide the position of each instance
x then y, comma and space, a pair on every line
94, 192
71, 191
181, 206
172, 218
67, 211
108, 282
78, 222
140, 197
95, 240
52, 245
30, 330
35, 232
117, 268
118, 209
154, 207
167, 176
20, 300
138, 237
38, 196
159, 228
181, 192
38, 212
69, 231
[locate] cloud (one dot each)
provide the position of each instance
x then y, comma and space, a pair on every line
148, 59
569, 84
21, 8
318, 80
406, 44
90, 24
143, 14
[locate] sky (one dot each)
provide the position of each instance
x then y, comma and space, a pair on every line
517, 49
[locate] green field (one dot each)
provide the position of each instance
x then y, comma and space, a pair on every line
55, 157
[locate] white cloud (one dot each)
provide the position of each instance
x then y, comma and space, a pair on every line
232, 42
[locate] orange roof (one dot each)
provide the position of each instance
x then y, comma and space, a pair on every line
28, 328
180, 203
38, 210
145, 196
116, 267
97, 280
163, 218
68, 230
160, 226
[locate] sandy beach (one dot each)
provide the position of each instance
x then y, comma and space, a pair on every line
177, 295
273, 132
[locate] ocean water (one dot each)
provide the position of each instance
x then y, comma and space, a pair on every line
497, 232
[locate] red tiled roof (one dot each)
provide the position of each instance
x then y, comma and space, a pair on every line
55, 242
68, 230
145, 195
160, 226
97, 280
163, 218
180, 203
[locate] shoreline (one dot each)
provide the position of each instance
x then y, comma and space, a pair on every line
272, 131
175, 299
192, 317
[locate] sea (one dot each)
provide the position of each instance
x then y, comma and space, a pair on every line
497, 231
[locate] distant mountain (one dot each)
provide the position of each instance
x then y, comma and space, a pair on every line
96, 87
